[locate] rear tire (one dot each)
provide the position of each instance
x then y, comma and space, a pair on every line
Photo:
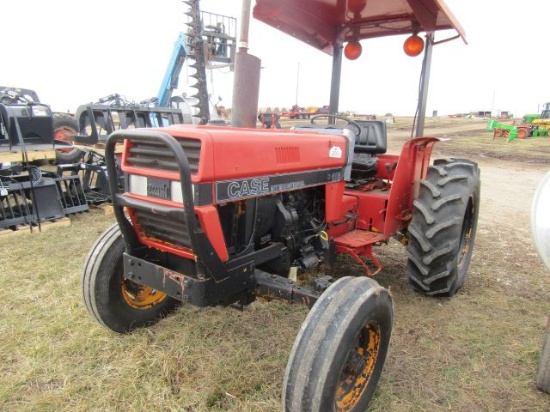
443, 228
63, 129
118, 304
339, 353
523, 133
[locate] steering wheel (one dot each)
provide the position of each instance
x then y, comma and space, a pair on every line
335, 116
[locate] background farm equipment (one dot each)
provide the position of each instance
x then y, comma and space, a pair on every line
532, 125
96, 121
28, 193
210, 39
297, 112
220, 216
64, 124
269, 120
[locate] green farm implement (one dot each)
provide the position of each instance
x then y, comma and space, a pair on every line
532, 125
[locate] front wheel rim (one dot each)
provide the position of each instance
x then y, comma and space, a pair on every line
139, 296
359, 367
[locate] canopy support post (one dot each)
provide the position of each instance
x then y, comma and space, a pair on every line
424, 83
335, 80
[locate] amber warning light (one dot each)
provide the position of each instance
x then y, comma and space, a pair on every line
413, 46
353, 50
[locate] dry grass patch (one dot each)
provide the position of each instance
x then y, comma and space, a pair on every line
477, 351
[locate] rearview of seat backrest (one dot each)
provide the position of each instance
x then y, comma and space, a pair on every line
373, 138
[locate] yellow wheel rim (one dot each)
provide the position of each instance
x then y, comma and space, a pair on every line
467, 232
139, 296
359, 368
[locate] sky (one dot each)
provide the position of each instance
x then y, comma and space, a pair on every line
72, 54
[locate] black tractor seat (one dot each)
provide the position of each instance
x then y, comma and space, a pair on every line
373, 138
365, 164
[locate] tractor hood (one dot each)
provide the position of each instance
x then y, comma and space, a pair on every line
226, 155
324, 23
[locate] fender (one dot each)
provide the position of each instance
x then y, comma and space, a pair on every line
411, 168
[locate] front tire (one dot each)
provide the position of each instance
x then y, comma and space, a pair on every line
339, 353
118, 304
443, 228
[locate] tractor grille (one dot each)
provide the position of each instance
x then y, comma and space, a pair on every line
163, 228
159, 157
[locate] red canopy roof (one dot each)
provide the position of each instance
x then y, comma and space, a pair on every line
323, 23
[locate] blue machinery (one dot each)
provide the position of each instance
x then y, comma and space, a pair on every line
211, 38
171, 77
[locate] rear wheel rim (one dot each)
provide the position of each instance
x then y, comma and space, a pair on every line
63, 134
466, 234
359, 367
140, 297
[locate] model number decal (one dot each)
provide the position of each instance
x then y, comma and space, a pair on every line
334, 177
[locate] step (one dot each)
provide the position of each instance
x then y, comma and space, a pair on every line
359, 238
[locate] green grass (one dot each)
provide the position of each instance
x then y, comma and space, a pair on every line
476, 351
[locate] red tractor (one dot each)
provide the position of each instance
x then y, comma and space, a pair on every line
221, 215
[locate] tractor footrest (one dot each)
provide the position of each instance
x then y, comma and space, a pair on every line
359, 238
359, 243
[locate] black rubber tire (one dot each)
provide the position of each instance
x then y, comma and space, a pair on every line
443, 227
67, 126
326, 345
103, 292
543, 371
523, 133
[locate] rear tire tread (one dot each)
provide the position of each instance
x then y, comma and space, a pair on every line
443, 227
